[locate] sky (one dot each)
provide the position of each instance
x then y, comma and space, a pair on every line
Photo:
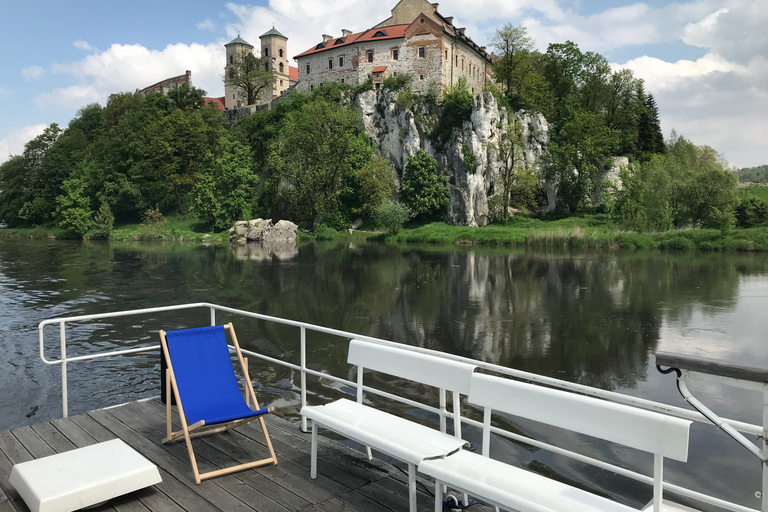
705, 61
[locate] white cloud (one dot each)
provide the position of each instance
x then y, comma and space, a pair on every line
13, 143
659, 74
125, 68
83, 45
206, 25
32, 72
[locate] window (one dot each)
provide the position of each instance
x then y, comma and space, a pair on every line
395, 54
370, 56
231, 59
311, 87
446, 54
280, 51
330, 63
422, 52
266, 66
281, 83
341, 62
462, 64
421, 77
266, 52
342, 80
307, 68
457, 61
233, 96
282, 68
380, 33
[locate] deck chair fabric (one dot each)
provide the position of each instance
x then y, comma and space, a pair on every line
205, 376
202, 378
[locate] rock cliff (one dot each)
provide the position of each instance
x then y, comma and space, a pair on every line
397, 134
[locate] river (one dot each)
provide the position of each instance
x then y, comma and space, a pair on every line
595, 318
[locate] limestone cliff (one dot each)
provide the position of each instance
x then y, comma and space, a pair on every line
397, 135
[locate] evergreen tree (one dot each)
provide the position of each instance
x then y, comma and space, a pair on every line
650, 138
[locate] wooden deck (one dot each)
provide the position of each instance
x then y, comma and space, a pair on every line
346, 480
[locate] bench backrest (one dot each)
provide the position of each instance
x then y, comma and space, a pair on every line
630, 426
431, 370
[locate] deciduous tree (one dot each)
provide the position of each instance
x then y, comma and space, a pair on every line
250, 74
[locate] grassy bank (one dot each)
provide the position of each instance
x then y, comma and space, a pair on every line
586, 232
593, 231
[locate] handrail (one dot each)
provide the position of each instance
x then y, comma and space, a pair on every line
442, 412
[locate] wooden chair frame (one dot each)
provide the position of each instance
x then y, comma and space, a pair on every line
200, 428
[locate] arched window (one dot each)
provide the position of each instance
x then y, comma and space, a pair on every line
281, 67
231, 59
280, 51
266, 52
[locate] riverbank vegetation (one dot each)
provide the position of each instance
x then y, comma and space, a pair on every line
169, 167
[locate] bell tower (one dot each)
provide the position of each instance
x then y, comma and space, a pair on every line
235, 51
274, 46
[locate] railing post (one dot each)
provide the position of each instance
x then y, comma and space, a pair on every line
443, 411
764, 495
303, 376
213, 316
64, 398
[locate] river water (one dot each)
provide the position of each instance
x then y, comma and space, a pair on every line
595, 318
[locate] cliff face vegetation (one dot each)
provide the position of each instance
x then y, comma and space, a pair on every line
477, 156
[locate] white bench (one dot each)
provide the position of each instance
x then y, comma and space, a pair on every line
82, 477
395, 436
513, 488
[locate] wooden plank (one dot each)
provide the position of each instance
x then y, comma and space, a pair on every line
152, 498
243, 485
7, 443
73, 432
210, 492
53, 437
274, 481
331, 505
33, 442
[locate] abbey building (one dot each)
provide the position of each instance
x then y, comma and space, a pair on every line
416, 39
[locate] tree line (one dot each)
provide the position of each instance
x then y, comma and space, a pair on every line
308, 160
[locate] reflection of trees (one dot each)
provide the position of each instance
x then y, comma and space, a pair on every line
590, 318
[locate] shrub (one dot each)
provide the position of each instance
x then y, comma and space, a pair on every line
365, 86
470, 160
392, 215
397, 81
325, 232
751, 212
338, 221
153, 225
103, 222
423, 190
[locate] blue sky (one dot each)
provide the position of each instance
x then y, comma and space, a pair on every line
706, 61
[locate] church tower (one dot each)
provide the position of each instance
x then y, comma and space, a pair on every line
235, 50
274, 45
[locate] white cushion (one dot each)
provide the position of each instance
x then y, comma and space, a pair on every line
393, 435
513, 488
83, 477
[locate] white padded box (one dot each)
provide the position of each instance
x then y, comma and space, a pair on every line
83, 477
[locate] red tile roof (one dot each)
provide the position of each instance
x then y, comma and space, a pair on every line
379, 69
293, 73
391, 32
219, 102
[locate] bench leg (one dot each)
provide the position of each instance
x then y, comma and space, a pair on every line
438, 496
412, 486
368, 452
313, 451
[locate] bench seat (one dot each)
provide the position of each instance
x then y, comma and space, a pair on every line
510, 487
387, 433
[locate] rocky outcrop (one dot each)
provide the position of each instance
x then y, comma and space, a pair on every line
261, 230
396, 134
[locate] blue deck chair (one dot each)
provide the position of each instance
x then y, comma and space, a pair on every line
208, 397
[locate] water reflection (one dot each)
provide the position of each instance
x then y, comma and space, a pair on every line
592, 318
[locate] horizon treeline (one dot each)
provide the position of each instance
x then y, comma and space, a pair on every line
137, 159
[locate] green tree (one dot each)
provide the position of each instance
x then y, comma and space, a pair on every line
377, 184
518, 186
423, 190
224, 192
186, 97
103, 222
392, 215
511, 43
650, 138
315, 160
13, 186
250, 74
73, 208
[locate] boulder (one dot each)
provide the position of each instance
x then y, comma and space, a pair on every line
262, 230
282, 232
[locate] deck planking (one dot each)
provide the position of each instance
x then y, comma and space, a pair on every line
346, 480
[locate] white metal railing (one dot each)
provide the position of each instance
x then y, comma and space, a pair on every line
443, 413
